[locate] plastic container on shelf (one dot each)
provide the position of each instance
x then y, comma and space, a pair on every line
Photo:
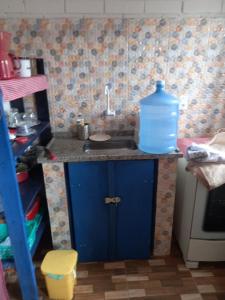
159, 114
3, 232
21, 172
6, 251
22, 176
58, 267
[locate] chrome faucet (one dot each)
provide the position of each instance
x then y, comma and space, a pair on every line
108, 111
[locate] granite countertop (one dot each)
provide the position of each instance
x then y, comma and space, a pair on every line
70, 149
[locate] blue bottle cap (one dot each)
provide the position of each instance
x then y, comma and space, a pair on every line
160, 84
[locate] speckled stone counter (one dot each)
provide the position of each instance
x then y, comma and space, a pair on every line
71, 150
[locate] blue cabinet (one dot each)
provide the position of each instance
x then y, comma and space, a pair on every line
112, 209
88, 183
134, 184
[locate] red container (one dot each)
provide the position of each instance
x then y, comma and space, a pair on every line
7, 60
34, 209
22, 176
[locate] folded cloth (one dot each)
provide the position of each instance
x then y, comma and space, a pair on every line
207, 161
204, 153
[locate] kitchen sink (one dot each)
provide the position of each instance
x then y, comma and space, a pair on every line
109, 145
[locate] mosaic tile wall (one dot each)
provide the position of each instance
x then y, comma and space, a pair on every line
165, 197
55, 187
82, 55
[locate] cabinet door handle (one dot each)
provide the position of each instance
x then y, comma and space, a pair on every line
112, 200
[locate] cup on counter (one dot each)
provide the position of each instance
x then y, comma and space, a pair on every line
83, 131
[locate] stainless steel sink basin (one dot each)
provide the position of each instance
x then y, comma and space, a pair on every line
109, 145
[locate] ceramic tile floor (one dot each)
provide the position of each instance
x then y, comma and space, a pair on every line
156, 279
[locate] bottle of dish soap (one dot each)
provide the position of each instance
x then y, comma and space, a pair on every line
158, 121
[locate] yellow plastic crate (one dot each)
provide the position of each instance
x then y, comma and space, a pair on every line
59, 269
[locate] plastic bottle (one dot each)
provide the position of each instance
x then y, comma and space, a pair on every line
159, 114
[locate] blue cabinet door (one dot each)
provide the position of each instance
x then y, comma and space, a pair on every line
134, 185
88, 188
112, 231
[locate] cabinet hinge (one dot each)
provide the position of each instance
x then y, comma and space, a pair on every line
112, 200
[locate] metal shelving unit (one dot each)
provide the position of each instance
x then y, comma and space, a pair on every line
17, 198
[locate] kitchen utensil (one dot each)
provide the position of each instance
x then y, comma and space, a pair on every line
100, 137
21, 139
14, 126
31, 131
24, 130
8, 62
14, 118
83, 131
30, 118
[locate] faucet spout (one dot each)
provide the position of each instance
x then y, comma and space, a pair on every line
108, 111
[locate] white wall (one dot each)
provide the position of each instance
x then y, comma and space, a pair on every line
98, 8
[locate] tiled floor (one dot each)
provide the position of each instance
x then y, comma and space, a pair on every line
156, 279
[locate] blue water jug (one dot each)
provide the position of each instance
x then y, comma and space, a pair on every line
158, 121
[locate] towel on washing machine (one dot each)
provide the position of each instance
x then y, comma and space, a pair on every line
207, 161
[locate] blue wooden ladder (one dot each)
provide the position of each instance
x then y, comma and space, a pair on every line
9, 192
